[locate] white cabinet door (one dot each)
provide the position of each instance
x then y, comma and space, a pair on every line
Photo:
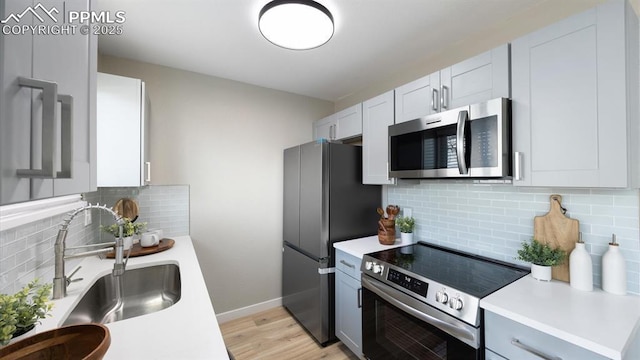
349, 122
418, 98
123, 157
325, 128
477, 79
377, 115
571, 82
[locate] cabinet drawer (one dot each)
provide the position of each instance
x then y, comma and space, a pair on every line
348, 264
513, 340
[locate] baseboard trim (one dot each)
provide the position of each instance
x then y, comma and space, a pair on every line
248, 310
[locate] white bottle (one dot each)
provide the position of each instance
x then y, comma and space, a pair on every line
614, 272
580, 268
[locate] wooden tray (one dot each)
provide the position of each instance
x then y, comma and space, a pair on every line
138, 250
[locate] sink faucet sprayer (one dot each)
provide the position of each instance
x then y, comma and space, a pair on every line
60, 281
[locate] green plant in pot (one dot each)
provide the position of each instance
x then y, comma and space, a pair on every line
542, 257
406, 224
20, 312
128, 229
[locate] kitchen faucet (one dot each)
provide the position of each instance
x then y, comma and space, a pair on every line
60, 280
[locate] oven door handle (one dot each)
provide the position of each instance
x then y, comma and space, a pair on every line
445, 326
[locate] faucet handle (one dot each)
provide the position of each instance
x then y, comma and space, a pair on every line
68, 279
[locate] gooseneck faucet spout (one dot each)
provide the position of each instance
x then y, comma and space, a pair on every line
60, 280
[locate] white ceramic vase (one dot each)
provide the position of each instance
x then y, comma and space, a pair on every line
580, 269
540, 272
614, 273
406, 238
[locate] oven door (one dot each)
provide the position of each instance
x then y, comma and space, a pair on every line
397, 326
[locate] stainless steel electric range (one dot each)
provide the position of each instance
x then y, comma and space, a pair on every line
423, 301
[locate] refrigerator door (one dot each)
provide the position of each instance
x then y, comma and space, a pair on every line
291, 212
307, 291
314, 199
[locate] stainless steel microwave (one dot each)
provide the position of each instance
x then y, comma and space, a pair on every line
470, 141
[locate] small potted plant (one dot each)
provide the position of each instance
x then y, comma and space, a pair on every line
128, 230
542, 257
20, 312
406, 225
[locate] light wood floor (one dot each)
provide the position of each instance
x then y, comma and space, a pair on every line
275, 334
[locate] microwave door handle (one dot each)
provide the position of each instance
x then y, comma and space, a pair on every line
463, 116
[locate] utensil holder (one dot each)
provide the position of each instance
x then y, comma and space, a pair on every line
387, 231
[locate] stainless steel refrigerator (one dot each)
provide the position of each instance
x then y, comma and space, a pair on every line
324, 202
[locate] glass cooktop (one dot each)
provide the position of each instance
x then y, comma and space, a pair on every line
472, 274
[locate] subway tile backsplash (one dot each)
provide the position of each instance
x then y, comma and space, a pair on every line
26, 252
493, 220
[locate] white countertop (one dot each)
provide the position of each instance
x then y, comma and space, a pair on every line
597, 321
186, 330
365, 245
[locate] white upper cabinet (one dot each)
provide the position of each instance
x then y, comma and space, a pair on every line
47, 106
418, 98
123, 132
575, 101
349, 122
477, 79
344, 124
377, 115
325, 128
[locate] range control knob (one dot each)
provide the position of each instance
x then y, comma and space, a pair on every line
368, 265
456, 303
377, 269
442, 297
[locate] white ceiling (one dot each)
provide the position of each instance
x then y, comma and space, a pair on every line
372, 40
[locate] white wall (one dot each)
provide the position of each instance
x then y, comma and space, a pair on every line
225, 139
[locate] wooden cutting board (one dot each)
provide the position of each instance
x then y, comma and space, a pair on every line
557, 230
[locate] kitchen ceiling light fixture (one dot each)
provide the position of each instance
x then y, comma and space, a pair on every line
296, 24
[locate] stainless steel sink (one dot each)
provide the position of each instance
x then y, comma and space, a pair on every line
143, 291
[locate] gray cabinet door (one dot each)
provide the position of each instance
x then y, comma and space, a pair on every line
325, 128
70, 61
570, 106
349, 122
477, 79
348, 312
418, 98
377, 115
15, 106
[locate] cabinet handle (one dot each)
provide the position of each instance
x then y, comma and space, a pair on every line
434, 99
49, 125
444, 97
515, 342
359, 297
347, 264
67, 136
148, 178
517, 166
